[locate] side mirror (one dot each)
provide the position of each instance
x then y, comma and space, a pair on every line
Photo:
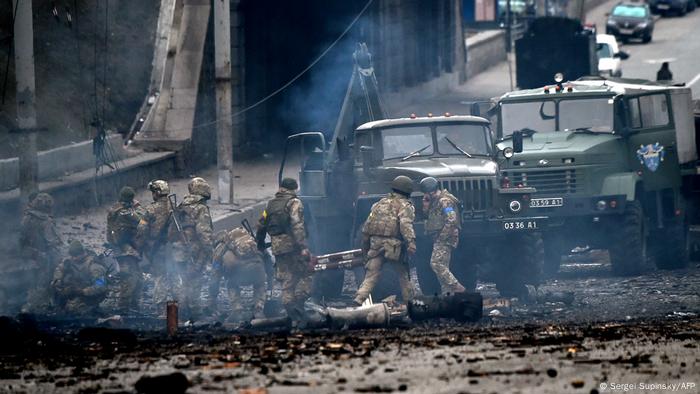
517, 141
367, 154
622, 55
474, 110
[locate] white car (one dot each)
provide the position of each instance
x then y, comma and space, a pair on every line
609, 56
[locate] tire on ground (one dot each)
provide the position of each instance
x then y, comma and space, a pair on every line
628, 244
671, 249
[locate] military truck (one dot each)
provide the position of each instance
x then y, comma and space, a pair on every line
614, 165
342, 178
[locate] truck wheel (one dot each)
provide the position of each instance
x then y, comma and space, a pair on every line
628, 251
521, 264
647, 38
672, 251
552, 259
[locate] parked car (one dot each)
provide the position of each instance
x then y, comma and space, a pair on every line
609, 56
679, 7
630, 20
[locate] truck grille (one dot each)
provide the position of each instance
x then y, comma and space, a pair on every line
475, 194
547, 182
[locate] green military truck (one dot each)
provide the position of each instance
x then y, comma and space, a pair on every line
338, 191
614, 165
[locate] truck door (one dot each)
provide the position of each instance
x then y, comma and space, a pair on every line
312, 162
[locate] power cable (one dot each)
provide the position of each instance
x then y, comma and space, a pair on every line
288, 83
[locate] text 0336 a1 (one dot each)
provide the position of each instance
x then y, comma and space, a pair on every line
520, 225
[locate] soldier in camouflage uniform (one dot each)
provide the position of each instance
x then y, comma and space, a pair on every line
40, 247
442, 225
283, 220
388, 238
237, 259
79, 283
122, 223
153, 238
192, 245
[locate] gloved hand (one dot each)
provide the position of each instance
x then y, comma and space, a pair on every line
411, 249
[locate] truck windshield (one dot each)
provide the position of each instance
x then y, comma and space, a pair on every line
399, 142
594, 114
455, 139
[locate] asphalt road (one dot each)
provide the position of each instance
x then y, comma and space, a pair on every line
675, 40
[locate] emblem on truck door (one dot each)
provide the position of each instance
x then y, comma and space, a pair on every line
651, 155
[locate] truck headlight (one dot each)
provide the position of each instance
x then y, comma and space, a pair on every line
601, 205
515, 206
642, 26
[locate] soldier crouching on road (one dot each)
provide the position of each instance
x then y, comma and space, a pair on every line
283, 219
39, 245
79, 283
442, 225
237, 259
153, 238
192, 244
388, 237
122, 223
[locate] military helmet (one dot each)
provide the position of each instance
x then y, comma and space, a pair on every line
199, 187
289, 183
428, 184
76, 249
159, 187
43, 202
127, 194
402, 184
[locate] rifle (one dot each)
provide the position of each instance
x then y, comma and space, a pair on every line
267, 259
172, 200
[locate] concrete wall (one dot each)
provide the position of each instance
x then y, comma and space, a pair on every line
59, 162
485, 49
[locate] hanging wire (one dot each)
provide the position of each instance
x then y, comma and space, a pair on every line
288, 83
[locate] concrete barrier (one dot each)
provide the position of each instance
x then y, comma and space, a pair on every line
58, 162
485, 49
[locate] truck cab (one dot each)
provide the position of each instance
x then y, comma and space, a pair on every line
608, 158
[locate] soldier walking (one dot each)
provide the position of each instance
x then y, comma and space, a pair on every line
388, 238
443, 226
79, 283
122, 223
152, 239
192, 244
39, 246
237, 259
283, 220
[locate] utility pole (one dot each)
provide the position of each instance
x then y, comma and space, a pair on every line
224, 130
26, 111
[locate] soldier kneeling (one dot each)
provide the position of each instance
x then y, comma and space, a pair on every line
237, 259
79, 283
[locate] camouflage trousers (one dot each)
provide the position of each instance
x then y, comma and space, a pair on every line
189, 264
373, 270
294, 275
440, 263
38, 297
130, 283
166, 281
252, 273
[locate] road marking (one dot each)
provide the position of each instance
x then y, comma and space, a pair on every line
662, 60
692, 81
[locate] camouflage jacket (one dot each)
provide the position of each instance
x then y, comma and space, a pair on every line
294, 236
195, 221
234, 247
82, 277
39, 239
152, 231
122, 224
390, 218
442, 221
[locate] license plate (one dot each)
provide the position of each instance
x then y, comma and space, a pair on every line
546, 202
626, 31
663, 6
515, 225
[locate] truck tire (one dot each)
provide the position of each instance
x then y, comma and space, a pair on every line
521, 264
628, 252
672, 248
